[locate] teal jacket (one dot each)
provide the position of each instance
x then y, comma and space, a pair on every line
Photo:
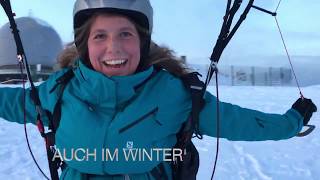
103, 118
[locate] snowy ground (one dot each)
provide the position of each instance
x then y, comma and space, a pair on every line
294, 159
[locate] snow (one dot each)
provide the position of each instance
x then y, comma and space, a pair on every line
294, 159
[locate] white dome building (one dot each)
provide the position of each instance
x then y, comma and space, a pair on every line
41, 44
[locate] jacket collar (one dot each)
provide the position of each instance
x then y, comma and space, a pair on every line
98, 88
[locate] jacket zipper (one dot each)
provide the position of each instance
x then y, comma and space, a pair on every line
153, 111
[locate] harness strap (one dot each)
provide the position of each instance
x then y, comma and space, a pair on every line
62, 81
54, 120
192, 82
159, 172
187, 167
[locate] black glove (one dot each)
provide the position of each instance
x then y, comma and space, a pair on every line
306, 108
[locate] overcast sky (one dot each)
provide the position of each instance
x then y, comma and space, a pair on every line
190, 27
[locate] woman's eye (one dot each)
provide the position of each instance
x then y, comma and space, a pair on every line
125, 34
99, 36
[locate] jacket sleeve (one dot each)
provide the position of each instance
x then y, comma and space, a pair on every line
12, 106
12, 102
241, 124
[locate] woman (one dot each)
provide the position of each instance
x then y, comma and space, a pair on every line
126, 94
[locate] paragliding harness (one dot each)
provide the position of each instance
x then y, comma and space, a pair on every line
185, 168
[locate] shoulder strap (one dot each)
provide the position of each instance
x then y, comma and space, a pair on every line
192, 82
187, 167
54, 120
62, 82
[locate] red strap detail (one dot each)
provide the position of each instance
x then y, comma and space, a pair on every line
40, 126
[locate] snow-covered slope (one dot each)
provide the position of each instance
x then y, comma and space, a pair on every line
294, 159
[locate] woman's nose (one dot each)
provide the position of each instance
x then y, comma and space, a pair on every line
113, 45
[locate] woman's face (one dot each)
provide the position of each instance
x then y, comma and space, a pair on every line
114, 45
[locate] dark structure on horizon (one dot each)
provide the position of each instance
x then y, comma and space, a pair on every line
41, 44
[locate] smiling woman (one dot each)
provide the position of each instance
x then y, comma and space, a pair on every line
125, 93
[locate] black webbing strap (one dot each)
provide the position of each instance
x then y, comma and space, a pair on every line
195, 86
187, 167
159, 172
62, 83
54, 120
54, 164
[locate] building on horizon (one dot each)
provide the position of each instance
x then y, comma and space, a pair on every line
41, 44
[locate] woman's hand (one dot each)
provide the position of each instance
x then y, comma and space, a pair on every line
306, 108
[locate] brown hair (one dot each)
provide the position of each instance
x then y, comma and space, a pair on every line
161, 57
67, 57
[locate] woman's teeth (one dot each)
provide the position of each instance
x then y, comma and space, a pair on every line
114, 62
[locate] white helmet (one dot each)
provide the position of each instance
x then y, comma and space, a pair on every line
139, 10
